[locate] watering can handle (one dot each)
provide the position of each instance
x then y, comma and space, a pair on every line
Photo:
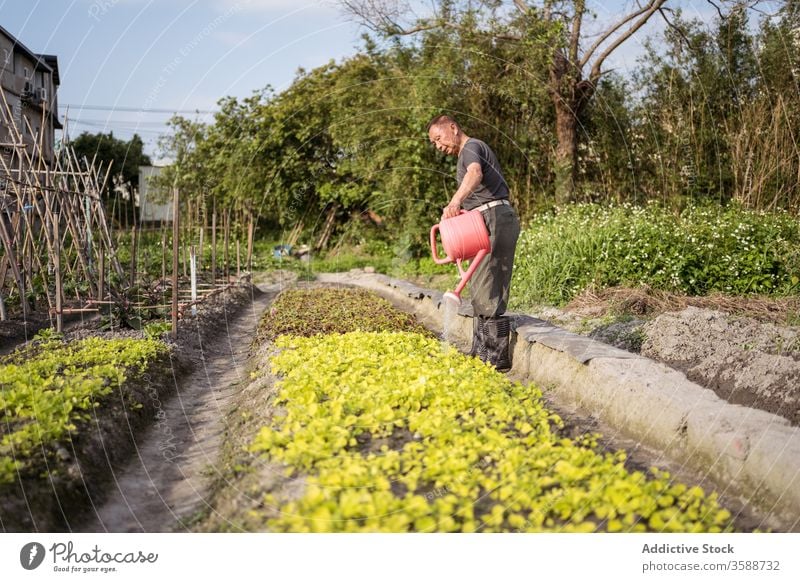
436, 258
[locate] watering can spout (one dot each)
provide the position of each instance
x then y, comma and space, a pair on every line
450, 296
464, 238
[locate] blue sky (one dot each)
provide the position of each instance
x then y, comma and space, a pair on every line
186, 54
173, 54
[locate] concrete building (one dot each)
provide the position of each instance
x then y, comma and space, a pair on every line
153, 207
30, 82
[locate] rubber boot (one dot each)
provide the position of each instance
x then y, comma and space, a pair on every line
478, 331
497, 338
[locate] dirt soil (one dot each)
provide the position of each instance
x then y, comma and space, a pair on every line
741, 348
165, 484
744, 361
71, 487
242, 479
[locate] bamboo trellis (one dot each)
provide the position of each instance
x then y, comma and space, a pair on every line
54, 233
53, 226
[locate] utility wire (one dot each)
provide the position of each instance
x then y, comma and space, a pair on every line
135, 109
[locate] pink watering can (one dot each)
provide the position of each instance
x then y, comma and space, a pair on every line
464, 238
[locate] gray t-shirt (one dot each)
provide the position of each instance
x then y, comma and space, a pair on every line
493, 186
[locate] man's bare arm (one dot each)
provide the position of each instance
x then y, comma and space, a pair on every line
472, 179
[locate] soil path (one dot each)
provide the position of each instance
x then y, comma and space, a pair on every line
166, 482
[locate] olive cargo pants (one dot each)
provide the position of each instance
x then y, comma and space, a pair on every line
490, 284
489, 288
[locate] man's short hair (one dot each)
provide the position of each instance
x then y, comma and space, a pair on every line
442, 120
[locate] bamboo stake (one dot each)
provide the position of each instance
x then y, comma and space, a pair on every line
13, 263
214, 244
133, 255
57, 269
238, 261
183, 256
101, 275
175, 235
250, 229
194, 281
227, 233
163, 256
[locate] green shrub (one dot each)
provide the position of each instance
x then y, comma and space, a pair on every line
396, 432
701, 250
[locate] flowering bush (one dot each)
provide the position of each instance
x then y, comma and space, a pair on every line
700, 250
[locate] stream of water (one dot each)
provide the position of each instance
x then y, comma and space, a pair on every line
450, 320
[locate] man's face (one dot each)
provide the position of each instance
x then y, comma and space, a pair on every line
445, 138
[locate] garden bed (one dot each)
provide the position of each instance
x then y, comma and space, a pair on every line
391, 430
121, 380
71, 411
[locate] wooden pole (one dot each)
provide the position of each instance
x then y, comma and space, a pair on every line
238, 261
250, 228
57, 269
175, 236
214, 244
227, 243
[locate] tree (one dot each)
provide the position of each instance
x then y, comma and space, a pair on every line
125, 158
573, 70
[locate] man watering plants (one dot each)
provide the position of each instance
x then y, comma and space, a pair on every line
481, 187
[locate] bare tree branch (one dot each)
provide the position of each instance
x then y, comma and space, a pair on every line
575, 34
716, 7
682, 34
605, 36
521, 6
654, 5
384, 16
